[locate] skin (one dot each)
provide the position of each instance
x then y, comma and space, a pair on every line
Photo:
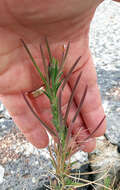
31, 21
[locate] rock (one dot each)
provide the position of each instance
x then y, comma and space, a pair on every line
118, 147
105, 46
1, 174
33, 180
106, 160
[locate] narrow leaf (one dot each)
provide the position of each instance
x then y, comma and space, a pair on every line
44, 63
57, 87
98, 126
71, 97
78, 148
49, 72
33, 61
73, 163
70, 72
48, 48
47, 94
70, 128
52, 158
56, 70
59, 108
80, 105
64, 57
59, 76
34, 113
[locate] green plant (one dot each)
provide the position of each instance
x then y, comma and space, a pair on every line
107, 182
110, 184
54, 84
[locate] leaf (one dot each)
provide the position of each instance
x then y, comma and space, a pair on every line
64, 57
45, 92
52, 158
57, 87
75, 162
58, 82
96, 128
68, 181
33, 61
74, 184
56, 70
70, 72
52, 77
75, 116
54, 73
80, 104
49, 51
34, 113
59, 110
59, 76
107, 182
78, 148
71, 97
44, 63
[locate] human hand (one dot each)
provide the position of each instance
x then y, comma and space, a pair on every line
32, 22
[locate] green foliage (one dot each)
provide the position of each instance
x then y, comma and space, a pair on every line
110, 184
107, 182
54, 84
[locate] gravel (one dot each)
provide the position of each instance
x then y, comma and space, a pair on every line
105, 47
2, 170
22, 166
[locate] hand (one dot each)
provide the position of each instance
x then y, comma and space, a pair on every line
60, 21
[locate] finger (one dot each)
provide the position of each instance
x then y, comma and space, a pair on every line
25, 120
92, 111
80, 133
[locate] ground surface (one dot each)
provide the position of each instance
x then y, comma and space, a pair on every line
24, 166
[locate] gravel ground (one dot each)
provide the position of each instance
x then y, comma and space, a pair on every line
23, 167
105, 46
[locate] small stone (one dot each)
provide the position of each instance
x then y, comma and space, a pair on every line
118, 147
33, 180
36, 162
118, 109
12, 172
2, 170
